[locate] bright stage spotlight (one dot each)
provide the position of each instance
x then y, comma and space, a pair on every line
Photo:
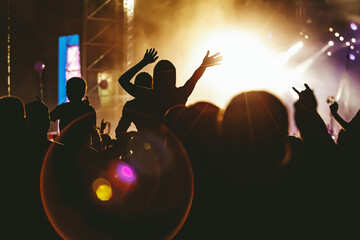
294, 49
341, 38
347, 43
353, 26
351, 56
352, 47
328, 53
331, 43
331, 29
353, 40
248, 64
337, 34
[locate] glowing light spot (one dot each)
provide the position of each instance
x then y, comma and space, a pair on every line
352, 47
331, 29
102, 189
125, 172
147, 146
353, 26
337, 34
306, 36
328, 53
347, 44
351, 56
341, 38
331, 43
353, 40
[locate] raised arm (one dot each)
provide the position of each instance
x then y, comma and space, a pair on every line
310, 124
334, 111
124, 80
208, 61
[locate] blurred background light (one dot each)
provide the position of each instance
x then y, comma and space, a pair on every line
353, 26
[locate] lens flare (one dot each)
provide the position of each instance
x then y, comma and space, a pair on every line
102, 189
125, 172
351, 56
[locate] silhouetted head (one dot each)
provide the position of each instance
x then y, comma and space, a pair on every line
75, 88
12, 120
38, 118
255, 123
144, 79
164, 75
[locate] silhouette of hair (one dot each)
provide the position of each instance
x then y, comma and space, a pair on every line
37, 115
164, 75
13, 115
143, 79
256, 123
12, 107
75, 88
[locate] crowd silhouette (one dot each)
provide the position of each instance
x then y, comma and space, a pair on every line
202, 172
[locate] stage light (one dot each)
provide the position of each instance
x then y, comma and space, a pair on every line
306, 36
353, 26
352, 47
331, 43
294, 49
347, 44
331, 29
341, 38
351, 56
328, 53
337, 34
353, 40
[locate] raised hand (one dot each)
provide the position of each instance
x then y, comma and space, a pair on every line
307, 97
103, 126
150, 56
334, 108
210, 61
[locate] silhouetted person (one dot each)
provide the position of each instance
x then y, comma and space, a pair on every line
38, 120
196, 126
322, 171
136, 110
75, 108
19, 202
258, 190
164, 94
